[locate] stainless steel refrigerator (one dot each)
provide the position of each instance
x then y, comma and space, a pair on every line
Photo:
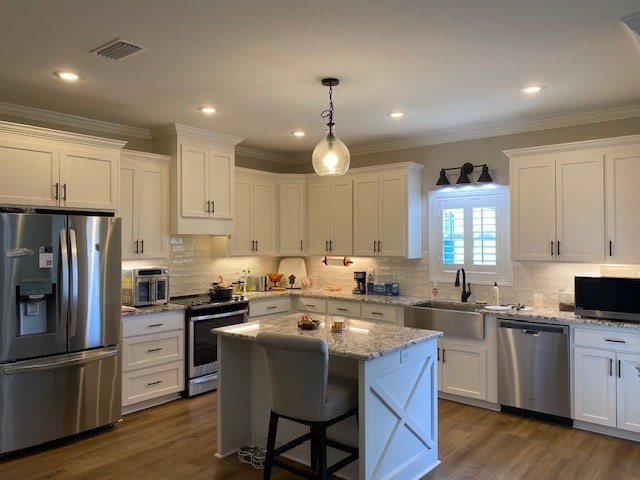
60, 326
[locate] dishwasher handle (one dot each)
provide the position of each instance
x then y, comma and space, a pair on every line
529, 328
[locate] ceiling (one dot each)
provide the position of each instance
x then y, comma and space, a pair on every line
454, 67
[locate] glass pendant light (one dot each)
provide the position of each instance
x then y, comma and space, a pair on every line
331, 156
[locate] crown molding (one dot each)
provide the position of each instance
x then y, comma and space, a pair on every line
262, 155
137, 155
572, 146
75, 121
58, 135
195, 132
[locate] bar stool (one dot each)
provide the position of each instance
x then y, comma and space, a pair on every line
301, 391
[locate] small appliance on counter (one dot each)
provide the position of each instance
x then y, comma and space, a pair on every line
361, 282
610, 298
145, 286
382, 288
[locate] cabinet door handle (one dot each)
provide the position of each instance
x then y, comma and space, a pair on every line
379, 246
151, 350
64, 192
141, 246
443, 359
326, 246
552, 248
374, 246
301, 249
256, 245
208, 206
57, 191
331, 245
610, 248
619, 369
213, 206
438, 354
611, 367
157, 382
137, 244
559, 248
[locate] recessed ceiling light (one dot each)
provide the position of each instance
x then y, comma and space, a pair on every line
397, 114
298, 133
68, 75
531, 89
207, 110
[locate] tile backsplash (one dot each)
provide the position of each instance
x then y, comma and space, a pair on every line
197, 260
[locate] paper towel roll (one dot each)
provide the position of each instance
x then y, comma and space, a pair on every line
337, 261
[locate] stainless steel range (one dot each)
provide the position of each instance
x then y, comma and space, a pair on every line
201, 369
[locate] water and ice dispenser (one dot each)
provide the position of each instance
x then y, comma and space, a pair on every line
36, 304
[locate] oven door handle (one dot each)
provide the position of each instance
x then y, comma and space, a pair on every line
219, 315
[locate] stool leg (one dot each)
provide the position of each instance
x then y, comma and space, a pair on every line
314, 448
271, 444
322, 452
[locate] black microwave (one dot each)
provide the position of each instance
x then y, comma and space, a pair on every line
611, 298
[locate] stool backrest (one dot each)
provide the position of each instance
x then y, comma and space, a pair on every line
298, 371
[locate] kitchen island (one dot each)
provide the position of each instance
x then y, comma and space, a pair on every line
396, 371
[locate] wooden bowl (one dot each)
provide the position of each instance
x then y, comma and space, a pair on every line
275, 277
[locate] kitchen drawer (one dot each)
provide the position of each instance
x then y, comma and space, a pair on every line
346, 309
618, 340
258, 308
313, 305
379, 312
154, 349
147, 383
152, 323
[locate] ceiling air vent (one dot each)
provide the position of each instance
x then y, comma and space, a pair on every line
117, 49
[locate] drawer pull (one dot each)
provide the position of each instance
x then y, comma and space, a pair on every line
272, 307
155, 325
613, 340
157, 382
377, 313
310, 305
154, 350
340, 309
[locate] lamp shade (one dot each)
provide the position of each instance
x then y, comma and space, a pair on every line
443, 180
331, 156
484, 176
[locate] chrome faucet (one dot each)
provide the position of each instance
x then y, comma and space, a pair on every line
466, 287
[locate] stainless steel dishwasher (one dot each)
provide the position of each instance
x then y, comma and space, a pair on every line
533, 368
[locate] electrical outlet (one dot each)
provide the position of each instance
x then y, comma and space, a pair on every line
404, 355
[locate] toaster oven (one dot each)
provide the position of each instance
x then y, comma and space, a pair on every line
145, 286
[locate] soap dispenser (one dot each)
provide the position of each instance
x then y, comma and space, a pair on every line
495, 294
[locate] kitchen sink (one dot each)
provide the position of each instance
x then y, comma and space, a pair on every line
454, 319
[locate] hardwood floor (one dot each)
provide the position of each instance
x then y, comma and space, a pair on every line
177, 441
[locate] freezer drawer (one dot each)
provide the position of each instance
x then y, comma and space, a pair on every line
58, 396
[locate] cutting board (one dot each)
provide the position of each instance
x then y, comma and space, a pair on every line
295, 265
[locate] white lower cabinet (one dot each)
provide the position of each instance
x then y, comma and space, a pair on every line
269, 306
606, 381
351, 309
311, 305
152, 359
462, 369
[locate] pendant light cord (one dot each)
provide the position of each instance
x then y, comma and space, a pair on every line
329, 113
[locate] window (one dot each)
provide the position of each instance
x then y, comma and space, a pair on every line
469, 227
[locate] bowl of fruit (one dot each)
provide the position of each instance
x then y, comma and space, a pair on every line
308, 323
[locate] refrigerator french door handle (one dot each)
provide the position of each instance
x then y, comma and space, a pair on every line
64, 287
61, 361
74, 283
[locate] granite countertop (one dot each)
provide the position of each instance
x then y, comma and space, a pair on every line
556, 316
345, 294
167, 307
362, 340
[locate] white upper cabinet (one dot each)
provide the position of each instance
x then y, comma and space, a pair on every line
330, 216
622, 169
256, 214
387, 212
557, 206
292, 205
202, 179
50, 168
576, 201
144, 205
